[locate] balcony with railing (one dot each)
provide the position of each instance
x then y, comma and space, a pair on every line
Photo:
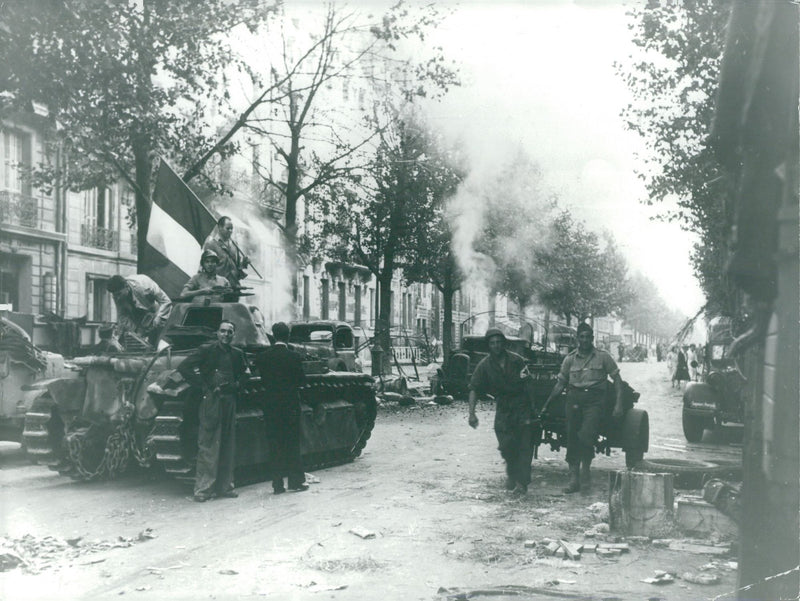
99, 237
18, 209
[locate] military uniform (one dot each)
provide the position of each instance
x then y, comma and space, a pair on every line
221, 370
513, 415
282, 375
585, 377
231, 261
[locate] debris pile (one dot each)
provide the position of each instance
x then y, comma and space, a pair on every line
560, 548
33, 554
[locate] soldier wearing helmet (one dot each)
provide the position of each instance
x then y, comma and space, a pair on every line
501, 374
206, 282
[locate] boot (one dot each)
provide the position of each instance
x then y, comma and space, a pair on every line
574, 482
585, 476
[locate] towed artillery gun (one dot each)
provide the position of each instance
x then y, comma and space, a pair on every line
135, 408
631, 433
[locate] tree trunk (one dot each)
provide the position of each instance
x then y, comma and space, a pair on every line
447, 320
290, 214
384, 321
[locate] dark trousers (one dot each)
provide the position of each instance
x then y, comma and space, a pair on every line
512, 426
283, 437
584, 409
216, 443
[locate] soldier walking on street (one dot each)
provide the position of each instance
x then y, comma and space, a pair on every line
221, 368
501, 375
282, 376
584, 373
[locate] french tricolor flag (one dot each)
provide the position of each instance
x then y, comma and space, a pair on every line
177, 227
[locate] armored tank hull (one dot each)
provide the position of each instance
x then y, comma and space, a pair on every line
134, 409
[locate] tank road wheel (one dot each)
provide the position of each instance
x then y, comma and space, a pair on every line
635, 436
693, 426
43, 433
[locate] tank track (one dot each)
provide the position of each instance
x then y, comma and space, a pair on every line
43, 433
166, 435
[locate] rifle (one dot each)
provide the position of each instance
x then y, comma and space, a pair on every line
247, 260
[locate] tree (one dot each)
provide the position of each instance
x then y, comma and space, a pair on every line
371, 221
430, 256
647, 311
674, 84
318, 142
581, 279
123, 82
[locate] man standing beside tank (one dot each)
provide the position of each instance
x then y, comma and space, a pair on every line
584, 373
232, 262
142, 306
217, 369
501, 374
206, 282
282, 375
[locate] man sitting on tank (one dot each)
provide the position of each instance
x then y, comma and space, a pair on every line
206, 282
142, 306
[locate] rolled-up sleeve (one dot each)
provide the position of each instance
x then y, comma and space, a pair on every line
479, 380
563, 374
610, 365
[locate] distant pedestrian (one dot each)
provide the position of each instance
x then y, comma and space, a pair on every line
584, 373
672, 356
620, 352
500, 374
681, 372
218, 370
691, 357
282, 376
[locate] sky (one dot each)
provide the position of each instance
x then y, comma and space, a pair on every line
540, 75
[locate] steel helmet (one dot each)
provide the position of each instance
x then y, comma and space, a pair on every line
209, 254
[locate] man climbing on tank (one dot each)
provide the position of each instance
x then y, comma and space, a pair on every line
232, 261
584, 373
281, 371
502, 374
206, 282
217, 369
142, 306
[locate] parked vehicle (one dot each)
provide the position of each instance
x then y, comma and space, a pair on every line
136, 407
21, 364
720, 397
331, 341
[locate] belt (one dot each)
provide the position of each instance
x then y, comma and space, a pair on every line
593, 388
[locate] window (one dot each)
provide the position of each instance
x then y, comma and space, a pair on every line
99, 219
357, 311
15, 150
306, 300
325, 299
9, 289
372, 307
98, 299
342, 301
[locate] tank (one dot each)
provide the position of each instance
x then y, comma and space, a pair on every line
21, 364
135, 408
